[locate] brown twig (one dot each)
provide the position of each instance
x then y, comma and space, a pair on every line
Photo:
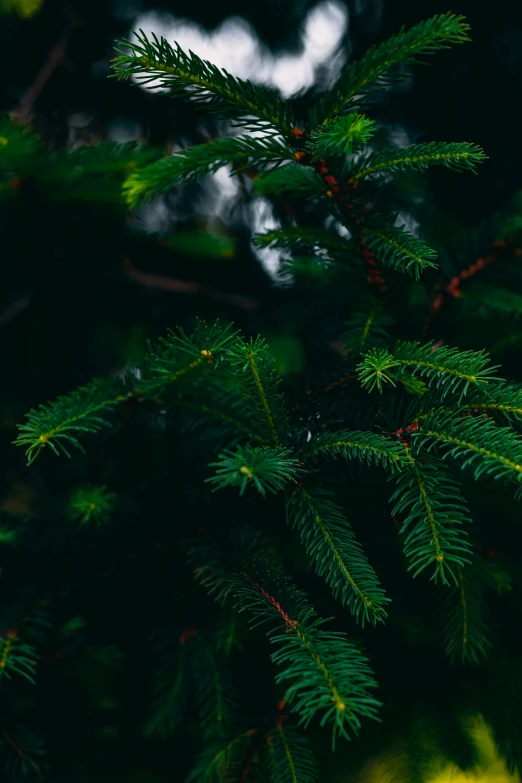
174, 285
54, 58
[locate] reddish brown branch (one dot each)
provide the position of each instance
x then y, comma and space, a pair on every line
453, 288
339, 193
13, 745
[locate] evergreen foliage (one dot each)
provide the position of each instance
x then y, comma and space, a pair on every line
388, 408
378, 67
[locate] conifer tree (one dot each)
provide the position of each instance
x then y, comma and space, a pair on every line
275, 548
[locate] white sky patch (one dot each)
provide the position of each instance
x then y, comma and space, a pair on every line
153, 218
220, 194
263, 219
123, 129
234, 45
292, 73
398, 136
408, 223
331, 222
323, 31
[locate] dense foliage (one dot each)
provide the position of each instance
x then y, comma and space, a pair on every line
362, 486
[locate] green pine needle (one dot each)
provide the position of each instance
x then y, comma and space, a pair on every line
435, 519
465, 622
16, 657
202, 83
502, 400
22, 754
398, 249
377, 368
104, 159
91, 504
327, 676
268, 470
290, 758
338, 558
159, 177
297, 180
489, 300
21, 150
378, 67
180, 357
474, 442
447, 370
304, 240
258, 381
418, 157
367, 328
216, 695
341, 135
171, 687
222, 756
58, 424
367, 447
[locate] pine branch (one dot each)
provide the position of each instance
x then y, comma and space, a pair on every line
202, 83
338, 558
501, 399
328, 675
377, 368
106, 158
230, 633
88, 504
16, 657
448, 370
21, 150
170, 689
368, 447
413, 385
459, 156
8, 535
57, 424
221, 413
435, 513
475, 442
215, 694
217, 560
377, 68
465, 626
395, 247
268, 470
367, 328
290, 758
180, 357
341, 136
304, 240
257, 380
297, 180
22, 753
489, 300
221, 759
159, 177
